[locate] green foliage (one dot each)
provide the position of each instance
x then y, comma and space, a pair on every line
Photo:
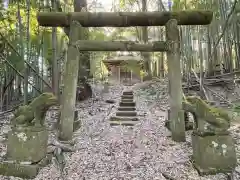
97, 34
236, 108
124, 3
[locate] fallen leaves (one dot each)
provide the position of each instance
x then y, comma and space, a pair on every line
143, 152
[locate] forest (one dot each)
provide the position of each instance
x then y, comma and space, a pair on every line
120, 89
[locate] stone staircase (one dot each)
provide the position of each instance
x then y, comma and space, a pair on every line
126, 114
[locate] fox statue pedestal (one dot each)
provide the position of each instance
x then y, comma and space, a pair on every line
213, 147
213, 154
28, 139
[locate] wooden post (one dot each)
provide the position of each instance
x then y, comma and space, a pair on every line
70, 85
175, 82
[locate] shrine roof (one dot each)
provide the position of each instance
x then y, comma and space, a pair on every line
119, 59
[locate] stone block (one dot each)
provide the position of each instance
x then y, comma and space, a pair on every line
127, 93
126, 113
24, 144
126, 109
128, 104
127, 97
23, 169
119, 118
213, 154
127, 100
123, 123
28, 171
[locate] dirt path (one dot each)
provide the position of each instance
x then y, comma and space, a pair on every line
142, 152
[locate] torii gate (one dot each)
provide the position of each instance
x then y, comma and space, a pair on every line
170, 20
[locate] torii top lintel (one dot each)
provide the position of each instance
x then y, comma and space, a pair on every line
124, 19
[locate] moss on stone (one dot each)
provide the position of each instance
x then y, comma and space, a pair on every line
19, 170
34, 113
217, 120
213, 154
27, 145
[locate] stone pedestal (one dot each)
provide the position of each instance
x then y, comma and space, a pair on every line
213, 154
23, 169
26, 152
18, 170
27, 145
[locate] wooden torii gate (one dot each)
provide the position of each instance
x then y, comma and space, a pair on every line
170, 20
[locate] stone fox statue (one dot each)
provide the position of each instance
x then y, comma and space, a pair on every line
34, 113
208, 120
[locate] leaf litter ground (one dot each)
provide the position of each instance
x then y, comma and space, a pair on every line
142, 152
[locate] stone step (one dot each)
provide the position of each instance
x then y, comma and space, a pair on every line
127, 93
126, 100
123, 123
127, 97
126, 113
129, 104
127, 108
125, 118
